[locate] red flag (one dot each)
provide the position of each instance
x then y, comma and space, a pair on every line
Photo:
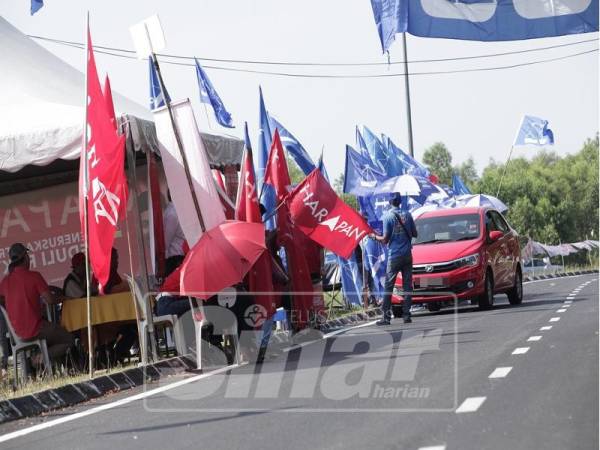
247, 207
319, 213
110, 106
105, 190
158, 232
276, 172
228, 207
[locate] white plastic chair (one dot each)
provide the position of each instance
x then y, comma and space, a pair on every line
169, 320
225, 298
18, 345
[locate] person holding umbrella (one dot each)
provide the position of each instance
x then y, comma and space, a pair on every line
398, 231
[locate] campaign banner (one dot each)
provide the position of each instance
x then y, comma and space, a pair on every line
319, 213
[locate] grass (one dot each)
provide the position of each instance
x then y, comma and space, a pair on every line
41, 384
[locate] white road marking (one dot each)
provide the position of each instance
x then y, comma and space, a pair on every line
328, 335
568, 302
471, 404
106, 406
546, 328
534, 339
562, 310
520, 350
433, 447
570, 297
500, 372
555, 319
566, 306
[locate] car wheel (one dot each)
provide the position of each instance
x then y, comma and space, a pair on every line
397, 310
486, 300
515, 295
433, 306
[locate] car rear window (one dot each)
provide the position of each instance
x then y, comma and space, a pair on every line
447, 228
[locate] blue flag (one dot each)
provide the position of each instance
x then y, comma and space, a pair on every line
36, 5
376, 150
534, 131
390, 18
209, 95
410, 165
265, 137
293, 147
321, 166
374, 258
351, 276
484, 20
360, 177
394, 164
362, 146
458, 186
157, 99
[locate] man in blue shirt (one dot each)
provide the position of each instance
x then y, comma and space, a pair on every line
398, 231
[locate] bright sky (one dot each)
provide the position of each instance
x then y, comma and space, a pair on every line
474, 114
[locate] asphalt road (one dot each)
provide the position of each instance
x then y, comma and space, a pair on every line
423, 385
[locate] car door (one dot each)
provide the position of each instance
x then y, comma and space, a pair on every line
506, 253
513, 254
494, 250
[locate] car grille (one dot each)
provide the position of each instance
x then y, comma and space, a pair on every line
437, 268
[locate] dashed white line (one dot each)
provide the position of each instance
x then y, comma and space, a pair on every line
546, 328
568, 302
534, 339
554, 319
570, 298
566, 305
470, 404
520, 350
500, 372
562, 310
433, 447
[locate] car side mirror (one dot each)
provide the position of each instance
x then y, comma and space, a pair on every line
495, 235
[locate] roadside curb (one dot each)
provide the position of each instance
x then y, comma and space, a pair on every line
558, 275
72, 394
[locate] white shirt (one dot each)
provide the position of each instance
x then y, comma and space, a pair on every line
174, 237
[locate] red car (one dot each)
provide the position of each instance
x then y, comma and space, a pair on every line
470, 253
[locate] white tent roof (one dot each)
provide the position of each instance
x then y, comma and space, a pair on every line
41, 113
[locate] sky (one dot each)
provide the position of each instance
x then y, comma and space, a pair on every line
475, 114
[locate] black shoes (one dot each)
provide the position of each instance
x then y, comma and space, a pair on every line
382, 322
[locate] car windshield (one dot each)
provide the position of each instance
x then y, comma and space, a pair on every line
447, 228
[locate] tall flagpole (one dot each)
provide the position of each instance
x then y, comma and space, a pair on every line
407, 90
509, 155
85, 189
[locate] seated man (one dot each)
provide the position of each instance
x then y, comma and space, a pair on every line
20, 293
115, 283
75, 285
168, 300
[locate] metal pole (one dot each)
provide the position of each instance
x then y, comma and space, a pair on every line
504, 171
85, 189
407, 90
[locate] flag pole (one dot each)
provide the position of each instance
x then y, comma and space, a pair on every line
407, 90
504, 171
186, 167
85, 189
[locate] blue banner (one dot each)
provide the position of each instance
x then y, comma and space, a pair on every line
293, 146
209, 95
459, 187
359, 176
484, 20
351, 276
36, 5
157, 99
264, 146
534, 131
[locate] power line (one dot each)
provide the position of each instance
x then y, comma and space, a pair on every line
345, 76
318, 64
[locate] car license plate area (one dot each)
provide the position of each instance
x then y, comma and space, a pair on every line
434, 282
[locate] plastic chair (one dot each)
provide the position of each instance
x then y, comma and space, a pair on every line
169, 320
18, 345
225, 298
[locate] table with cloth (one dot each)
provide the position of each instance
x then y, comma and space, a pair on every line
107, 308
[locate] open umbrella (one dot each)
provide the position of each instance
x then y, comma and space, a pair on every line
409, 185
221, 258
481, 200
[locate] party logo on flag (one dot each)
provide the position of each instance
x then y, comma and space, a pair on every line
319, 213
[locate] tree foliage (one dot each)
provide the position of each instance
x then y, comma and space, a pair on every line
438, 160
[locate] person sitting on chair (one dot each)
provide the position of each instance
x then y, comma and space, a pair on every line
20, 293
75, 284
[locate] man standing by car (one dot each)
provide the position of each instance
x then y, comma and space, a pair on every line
398, 231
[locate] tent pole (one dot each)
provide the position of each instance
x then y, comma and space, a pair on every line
407, 91
85, 188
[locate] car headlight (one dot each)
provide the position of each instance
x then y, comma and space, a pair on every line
471, 260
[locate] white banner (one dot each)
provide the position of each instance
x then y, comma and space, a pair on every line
204, 185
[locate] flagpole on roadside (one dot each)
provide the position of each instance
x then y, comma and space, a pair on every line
85, 189
504, 171
186, 167
407, 90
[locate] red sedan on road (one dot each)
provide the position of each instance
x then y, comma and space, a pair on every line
463, 253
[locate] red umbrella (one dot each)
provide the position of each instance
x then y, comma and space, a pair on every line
221, 258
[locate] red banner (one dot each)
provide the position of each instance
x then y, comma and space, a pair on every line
319, 213
276, 172
106, 187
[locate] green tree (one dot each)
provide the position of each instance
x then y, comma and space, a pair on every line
349, 199
438, 160
296, 174
468, 173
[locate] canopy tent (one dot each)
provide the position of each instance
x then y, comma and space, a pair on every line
41, 113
